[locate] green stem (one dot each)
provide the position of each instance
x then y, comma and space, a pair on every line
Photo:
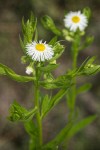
38, 115
74, 81
73, 92
75, 60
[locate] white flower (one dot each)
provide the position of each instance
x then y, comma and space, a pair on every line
75, 20
39, 51
29, 70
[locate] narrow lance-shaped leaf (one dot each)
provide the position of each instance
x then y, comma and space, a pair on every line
49, 24
59, 138
84, 88
45, 104
49, 67
36, 35
88, 41
58, 50
54, 101
3, 68
69, 131
10, 73
53, 41
87, 12
88, 68
28, 30
32, 130
19, 78
63, 82
79, 126
91, 60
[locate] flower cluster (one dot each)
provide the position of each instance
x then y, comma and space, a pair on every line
41, 51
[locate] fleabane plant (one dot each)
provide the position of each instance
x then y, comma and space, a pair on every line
40, 58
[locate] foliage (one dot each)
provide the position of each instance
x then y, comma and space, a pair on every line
42, 77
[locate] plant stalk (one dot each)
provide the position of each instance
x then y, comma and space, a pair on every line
38, 115
73, 91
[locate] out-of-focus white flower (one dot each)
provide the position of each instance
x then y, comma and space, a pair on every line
76, 20
29, 70
39, 51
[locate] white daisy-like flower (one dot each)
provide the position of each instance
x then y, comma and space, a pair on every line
39, 51
29, 70
76, 20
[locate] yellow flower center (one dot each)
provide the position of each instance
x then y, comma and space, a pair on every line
40, 47
75, 19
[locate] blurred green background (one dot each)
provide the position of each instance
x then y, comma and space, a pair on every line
13, 136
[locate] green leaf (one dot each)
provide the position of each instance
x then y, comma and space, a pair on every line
91, 60
19, 113
88, 68
84, 88
28, 30
63, 82
49, 24
53, 41
36, 35
87, 12
91, 70
89, 40
55, 84
45, 105
69, 131
10, 73
32, 130
58, 51
54, 101
59, 138
21, 43
82, 66
3, 69
49, 85
58, 48
56, 56
79, 126
19, 78
49, 67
